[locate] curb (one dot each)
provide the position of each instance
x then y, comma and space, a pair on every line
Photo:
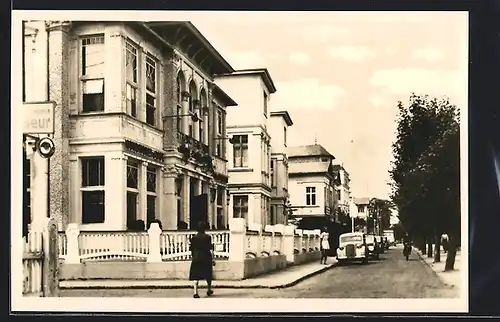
429, 265
215, 286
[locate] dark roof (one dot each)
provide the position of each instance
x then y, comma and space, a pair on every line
263, 72
308, 167
362, 201
185, 37
308, 151
285, 115
219, 93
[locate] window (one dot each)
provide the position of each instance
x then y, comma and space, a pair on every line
150, 91
92, 188
339, 195
131, 78
273, 215
361, 208
92, 73
240, 151
178, 196
240, 206
200, 131
151, 182
132, 192
218, 144
220, 208
310, 196
273, 184
265, 104
284, 135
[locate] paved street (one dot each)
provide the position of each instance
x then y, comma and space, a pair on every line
391, 277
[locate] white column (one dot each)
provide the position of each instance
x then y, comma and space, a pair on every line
185, 111
115, 212
168, 209
185, 199
143, 193
73, 252
205, 129
39, 183
154, 255
114, 70
74, 192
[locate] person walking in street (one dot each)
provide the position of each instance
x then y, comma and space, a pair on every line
324, 245
202, 259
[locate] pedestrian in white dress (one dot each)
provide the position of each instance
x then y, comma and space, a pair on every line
325, 245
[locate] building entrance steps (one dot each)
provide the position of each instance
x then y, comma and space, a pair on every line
280, 279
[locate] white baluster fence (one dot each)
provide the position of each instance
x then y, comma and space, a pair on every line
155, 245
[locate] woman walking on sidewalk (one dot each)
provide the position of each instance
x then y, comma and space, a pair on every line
202, 259
324, 245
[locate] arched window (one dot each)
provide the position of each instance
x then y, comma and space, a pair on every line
179, 89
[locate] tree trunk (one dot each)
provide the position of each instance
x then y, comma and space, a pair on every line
429, 246
437, 250
423, 246
452, 252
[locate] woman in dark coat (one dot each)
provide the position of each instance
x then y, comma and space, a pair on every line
202, 259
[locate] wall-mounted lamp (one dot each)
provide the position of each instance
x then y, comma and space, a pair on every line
231, 139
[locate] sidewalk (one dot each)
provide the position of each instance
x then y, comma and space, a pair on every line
452, 278
281, 279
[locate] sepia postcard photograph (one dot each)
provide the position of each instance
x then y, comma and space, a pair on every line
239, 161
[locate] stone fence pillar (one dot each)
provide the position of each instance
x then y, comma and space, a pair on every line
237, 239
154, 233
73, 250
288, 240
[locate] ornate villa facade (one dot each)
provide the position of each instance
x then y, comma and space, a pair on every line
140, 125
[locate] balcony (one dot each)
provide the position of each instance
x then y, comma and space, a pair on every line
193, 144
102, 127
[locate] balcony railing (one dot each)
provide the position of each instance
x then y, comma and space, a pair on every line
192, 143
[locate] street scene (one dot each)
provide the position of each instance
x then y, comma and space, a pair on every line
390, 277
187, 158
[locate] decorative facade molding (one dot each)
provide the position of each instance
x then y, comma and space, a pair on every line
170, 170
58, 25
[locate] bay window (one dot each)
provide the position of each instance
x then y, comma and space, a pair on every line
151, 91
92, 56
151, 182
132, 192
310, 196
240, 206
132, 82
240, 151
92, 189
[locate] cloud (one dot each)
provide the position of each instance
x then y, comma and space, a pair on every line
430, 54
352, 53
305, 94
246, 59
452, 84
299, 57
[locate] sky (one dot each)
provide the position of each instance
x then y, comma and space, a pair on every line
340, 75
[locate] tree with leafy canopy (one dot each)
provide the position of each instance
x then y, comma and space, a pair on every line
425, 172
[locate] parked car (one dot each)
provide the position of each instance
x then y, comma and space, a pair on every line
352, 247
372, 246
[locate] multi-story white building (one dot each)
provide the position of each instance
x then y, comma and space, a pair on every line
279, 123
250, 157
343, 189
311, 183
362, 207
139, 123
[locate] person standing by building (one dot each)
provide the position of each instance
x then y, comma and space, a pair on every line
202, 261
324, 244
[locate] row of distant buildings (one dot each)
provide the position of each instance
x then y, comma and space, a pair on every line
152, 123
